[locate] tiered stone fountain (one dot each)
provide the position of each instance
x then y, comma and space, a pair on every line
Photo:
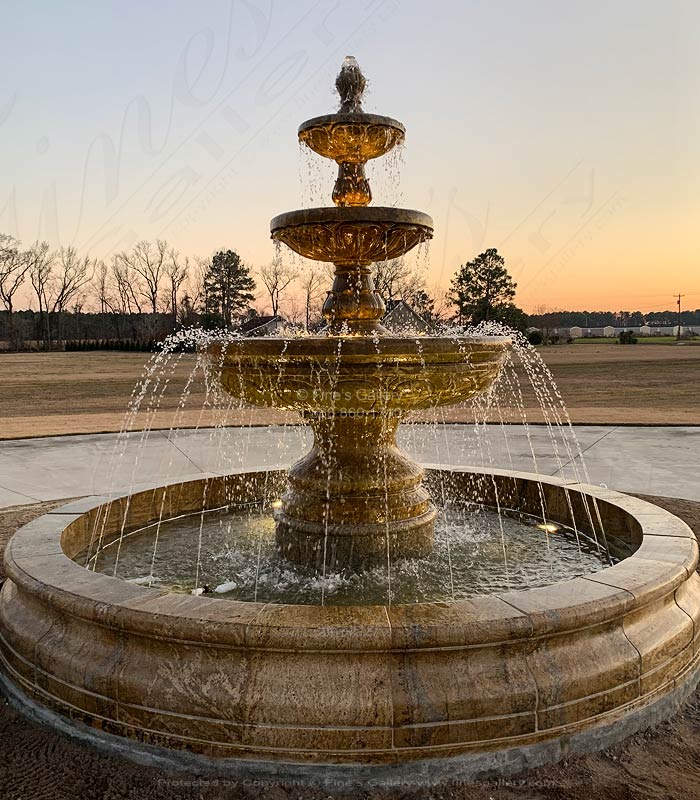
355, 498
417, 692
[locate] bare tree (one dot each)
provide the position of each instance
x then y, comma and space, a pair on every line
147, 264
312, 285
41, 277
442, 309
176, 272
128, 289
394, 279
276, 277
102, 287
58, 278
13, 269
71, 274
196, 291
294, 311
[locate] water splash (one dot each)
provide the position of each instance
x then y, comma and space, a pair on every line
482, 422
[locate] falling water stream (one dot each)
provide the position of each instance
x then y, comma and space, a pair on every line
231, 553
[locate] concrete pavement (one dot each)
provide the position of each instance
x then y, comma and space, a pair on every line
653, 460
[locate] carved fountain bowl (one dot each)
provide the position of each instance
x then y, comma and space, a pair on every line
351, 138
359, 375
352, 235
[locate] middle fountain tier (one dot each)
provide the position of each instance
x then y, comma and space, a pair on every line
355, 499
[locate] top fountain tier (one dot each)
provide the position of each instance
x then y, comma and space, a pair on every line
350, 235
351, 136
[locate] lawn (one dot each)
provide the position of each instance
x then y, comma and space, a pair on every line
54, 393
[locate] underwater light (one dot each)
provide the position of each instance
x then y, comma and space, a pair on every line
548, 527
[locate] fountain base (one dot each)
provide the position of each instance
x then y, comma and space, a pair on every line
352, 546
484, 685
355, 500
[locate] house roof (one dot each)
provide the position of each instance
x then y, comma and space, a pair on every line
401, 307
258, 322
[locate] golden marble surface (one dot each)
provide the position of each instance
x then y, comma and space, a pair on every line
364, 684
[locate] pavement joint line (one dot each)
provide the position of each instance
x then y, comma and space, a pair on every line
64, 466
171, 442
583, 451
21, 494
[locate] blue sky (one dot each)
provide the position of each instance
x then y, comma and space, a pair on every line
565, 134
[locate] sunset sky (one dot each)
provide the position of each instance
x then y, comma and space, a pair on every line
566, 134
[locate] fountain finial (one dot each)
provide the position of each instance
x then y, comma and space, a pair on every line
350, 84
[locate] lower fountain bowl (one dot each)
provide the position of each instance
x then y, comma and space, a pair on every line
422, 692
359, 374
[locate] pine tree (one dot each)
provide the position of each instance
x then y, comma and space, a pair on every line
482, 290
228, 286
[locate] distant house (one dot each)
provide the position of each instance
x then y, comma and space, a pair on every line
262, 326
401, 318
662, 330
593, 332
576, 332
686, 330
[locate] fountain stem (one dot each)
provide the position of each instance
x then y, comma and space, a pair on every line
355, 499
353, 305
352, 187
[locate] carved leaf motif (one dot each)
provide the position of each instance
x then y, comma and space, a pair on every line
354, 143
352, 242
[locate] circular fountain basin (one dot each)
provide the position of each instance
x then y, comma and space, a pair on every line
352, 235
417, 692
351, 138
359, 374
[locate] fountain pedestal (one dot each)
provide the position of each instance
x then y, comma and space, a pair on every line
355, 500
353, 305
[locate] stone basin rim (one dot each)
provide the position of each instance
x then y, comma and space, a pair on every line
356, 118
419, 348
36, 565
387, 215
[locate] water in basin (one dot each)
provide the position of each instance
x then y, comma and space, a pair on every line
483, 553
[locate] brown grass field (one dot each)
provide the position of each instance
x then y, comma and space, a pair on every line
44, 394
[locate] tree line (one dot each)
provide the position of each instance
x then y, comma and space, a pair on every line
544, 317
141, 295
144, 293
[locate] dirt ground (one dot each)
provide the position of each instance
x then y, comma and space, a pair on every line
45, 394
36, 764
